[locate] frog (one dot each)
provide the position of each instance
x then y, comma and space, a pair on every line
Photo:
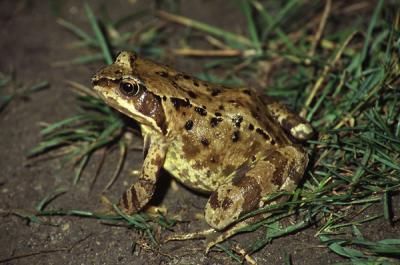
233, 144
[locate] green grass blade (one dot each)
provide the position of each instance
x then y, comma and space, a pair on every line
251, 25
99, 34
46, 200
78, 31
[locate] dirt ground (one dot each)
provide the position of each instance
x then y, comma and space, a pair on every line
30, 42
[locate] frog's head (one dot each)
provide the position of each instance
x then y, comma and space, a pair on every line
119, 86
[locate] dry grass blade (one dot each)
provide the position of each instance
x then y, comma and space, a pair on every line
81, 89
324, 74
208, 53
117, 171
204, 27
321, 27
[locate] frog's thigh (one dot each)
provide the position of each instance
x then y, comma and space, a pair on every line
279, 169
293, 124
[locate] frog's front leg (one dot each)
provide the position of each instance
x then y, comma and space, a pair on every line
279, 169
292, 123
138, 195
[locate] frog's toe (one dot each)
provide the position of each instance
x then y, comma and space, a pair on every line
190, 236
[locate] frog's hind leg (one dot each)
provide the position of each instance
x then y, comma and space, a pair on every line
279, 169
293, 124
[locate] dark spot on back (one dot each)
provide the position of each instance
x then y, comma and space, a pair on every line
251, 127
237, 120
192, 94
215, 91
247, 91
174, 84
214, 121
176, 77
164, 98
195, 83
221, 107
218, 114
187, 77
261, 132
200, 111
204, 141
235, 136
189, 125
177, 102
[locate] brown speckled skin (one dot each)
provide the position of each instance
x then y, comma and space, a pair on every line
211, 138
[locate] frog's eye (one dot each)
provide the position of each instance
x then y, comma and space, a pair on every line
129, 89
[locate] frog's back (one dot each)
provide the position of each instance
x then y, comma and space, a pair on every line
213, 130
236, 108
209, 141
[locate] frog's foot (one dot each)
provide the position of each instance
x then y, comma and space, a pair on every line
235, 229
189, 236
